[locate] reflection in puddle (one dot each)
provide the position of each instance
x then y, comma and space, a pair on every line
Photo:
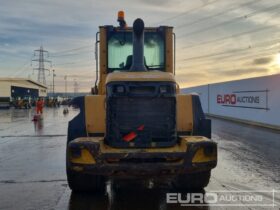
130, 195
38, 126
15, 115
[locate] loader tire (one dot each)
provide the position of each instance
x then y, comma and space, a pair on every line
193, 181
79, 182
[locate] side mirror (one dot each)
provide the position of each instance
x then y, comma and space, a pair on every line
94, 90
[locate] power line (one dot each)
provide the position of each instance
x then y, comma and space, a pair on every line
244, 59
22, 69
217, 64
71, 54
76, 76
260, 44
277, 6
71, 50
231, 36
187, 12
256, 56
71, 67
80, 62
62, 64
217, 14
233, 58
214, 54
223, 59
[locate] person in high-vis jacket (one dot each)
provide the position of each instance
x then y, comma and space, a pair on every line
39, 106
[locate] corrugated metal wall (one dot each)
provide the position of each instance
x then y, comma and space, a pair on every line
24, 92
22, 88
5, 89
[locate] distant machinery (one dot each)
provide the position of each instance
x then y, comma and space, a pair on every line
20, 91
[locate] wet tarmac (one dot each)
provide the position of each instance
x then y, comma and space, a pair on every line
32, 167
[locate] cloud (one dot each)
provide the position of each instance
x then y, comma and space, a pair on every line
190, 78
241, 72
190, 75
68, 24
262, 61
156, 2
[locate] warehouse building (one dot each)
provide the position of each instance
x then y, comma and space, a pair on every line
21, 88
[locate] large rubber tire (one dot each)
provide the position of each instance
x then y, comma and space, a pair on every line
193, 181
79, 182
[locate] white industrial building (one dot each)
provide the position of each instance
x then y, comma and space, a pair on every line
21, 88
255, 100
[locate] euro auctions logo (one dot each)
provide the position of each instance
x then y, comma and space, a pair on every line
224, 198
226, 99
257, 99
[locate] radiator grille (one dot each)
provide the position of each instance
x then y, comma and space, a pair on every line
156, 117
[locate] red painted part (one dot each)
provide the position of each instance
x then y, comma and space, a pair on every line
129, 137
141, 128
132, 135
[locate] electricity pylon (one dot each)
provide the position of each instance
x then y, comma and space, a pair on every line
41, 60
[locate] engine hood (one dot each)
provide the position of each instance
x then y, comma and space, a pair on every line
147, 76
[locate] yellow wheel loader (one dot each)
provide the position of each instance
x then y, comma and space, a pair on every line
137, 124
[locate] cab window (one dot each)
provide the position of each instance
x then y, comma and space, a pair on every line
120, 51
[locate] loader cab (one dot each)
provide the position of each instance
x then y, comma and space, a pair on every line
114, 51
120, 47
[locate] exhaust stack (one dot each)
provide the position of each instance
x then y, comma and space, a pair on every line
138, 46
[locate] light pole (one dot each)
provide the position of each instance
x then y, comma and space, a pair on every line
53, 80
65, 78
75, 87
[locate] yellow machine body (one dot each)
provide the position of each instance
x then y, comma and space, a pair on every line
88, 152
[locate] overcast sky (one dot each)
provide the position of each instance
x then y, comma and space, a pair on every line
217, 40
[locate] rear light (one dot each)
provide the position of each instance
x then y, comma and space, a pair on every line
163, 89
75, 152
119, 89
209, 150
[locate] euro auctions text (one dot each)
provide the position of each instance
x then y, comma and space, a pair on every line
223, 198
